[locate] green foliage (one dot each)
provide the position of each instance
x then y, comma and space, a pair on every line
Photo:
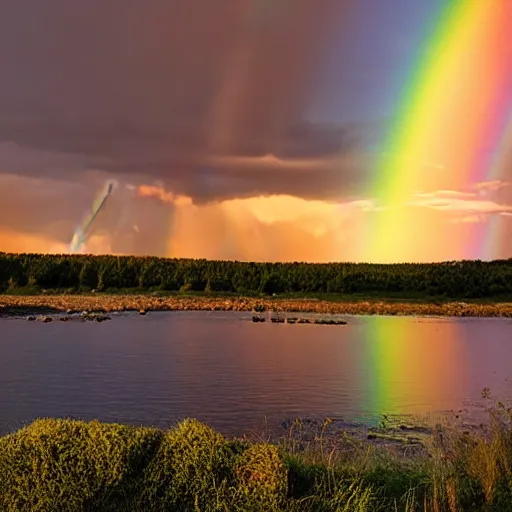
88, 275
187, 287
12, 284
55, 465
261, 479
460, 279
350, 496
82, 465
190, 471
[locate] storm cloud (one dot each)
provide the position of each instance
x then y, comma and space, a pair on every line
188, 92
250, 129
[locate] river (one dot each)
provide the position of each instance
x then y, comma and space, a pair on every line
238, 376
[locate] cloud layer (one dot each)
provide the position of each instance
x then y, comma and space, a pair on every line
150, 219
201, 95
204, 108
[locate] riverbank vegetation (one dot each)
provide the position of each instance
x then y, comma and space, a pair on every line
56, 464
83, 273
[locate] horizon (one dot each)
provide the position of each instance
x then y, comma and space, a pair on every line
291, 262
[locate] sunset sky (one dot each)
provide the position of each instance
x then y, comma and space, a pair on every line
312, 130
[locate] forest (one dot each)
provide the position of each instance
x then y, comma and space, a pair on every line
82, 273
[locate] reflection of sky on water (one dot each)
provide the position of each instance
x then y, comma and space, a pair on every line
223, 369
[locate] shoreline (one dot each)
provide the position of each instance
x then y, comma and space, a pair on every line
21, 305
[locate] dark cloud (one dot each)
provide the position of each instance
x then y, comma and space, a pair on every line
168, 89
208, 99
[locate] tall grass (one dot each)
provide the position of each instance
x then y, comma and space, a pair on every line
54, 465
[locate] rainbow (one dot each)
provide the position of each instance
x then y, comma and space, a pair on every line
403, 371
452, 118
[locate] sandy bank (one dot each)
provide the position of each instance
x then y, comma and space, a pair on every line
20, 305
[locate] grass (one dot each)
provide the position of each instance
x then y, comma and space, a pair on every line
407, 297
54, 465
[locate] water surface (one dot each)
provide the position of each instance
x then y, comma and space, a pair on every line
223, 369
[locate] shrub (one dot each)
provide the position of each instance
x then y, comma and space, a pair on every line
191, 471
86, 466
261, 483
55, 465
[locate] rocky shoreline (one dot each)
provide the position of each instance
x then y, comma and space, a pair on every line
13, 305
407, 436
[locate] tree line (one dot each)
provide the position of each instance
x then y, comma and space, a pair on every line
455, 279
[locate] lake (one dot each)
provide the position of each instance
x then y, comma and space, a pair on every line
236, 375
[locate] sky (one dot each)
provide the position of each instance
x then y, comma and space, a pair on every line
259, 130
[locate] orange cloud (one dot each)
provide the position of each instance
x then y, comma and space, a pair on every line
462, 205
154, 191
471, 205
261, 228
149, 219
491, 186
19, 242
12, 241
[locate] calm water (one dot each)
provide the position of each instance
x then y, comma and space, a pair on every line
223, 369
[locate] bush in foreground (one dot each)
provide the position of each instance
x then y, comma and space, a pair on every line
261, 479
53, 464
191, 470
64, 465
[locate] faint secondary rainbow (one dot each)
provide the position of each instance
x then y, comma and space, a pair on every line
452, 118
493, 236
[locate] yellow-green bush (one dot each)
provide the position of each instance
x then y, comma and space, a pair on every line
53, 465
261, 479
64, 465
191, 471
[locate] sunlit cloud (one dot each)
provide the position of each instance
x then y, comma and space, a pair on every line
271, 208
491, 186
151, 219
471, 206
462, 205
445, 195
470, 219
156, 192
276, 227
